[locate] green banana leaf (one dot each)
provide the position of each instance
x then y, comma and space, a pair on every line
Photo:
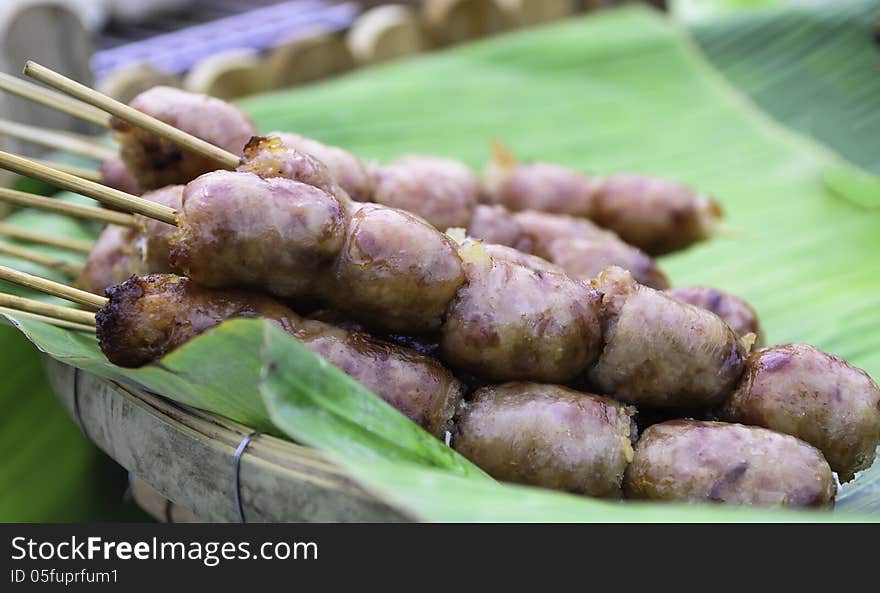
49, 471
697, 10
624, 90
812, 67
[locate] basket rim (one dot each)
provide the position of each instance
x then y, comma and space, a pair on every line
280, 480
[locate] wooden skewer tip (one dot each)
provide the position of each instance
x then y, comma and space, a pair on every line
52, 288
96, 191
48, 309
53, 100
130, 115
50, 320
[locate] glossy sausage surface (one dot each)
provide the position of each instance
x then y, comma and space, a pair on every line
661, 352
509, 322
548, 436
819, 398
155, 162
442, 191
697, 461
738, 314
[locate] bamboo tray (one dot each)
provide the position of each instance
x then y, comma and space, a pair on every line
187, 456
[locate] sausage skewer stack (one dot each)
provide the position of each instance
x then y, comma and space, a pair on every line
626, 337
147, 317
442, 191
637, 316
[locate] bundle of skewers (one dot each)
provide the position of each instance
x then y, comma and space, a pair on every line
521, 315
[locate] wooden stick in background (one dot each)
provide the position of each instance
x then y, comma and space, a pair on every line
59, 102
132, 116
89, 174
50, 320
78, 144
26, 200
96, 191
19, 234
23, 253
50, 287
49, 310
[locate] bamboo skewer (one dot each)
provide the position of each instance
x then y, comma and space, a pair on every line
131, 115
50, 320
23, 253
26, 200
13, 232
57, 289
96, 191
67, 141
89, 174
47, 309
58, 101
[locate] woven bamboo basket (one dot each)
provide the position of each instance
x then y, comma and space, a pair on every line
189, 457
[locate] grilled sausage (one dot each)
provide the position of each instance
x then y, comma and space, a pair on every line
418, 386
819, 398
227, 238
395, 271
697, 461
548, 436
738, 314
442, 191
349, 171
150, 316
114, 257
660, 352
155, 162
509, 322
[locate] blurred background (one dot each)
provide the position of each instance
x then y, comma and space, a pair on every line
236, 48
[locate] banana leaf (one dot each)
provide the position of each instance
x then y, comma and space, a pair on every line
813, 67
624, 90
49, 471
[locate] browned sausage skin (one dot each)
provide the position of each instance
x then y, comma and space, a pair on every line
442, 191
738, 314
697, 461
417, 385
549, 436
114, 257
115, 174
537, 186
817, 397
155, 162
240, 230
394, 272
576, 245
150, 316
660, 352
653, 214
352, 174
147, 317
510, 322
657, 215
270, 156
